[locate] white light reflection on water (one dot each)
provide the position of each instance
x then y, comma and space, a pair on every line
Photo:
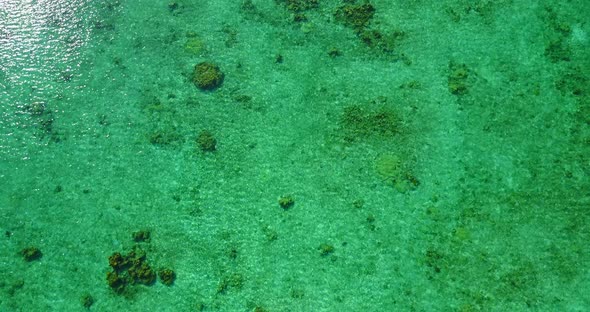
41, 43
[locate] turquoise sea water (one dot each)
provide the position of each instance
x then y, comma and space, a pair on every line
437, 155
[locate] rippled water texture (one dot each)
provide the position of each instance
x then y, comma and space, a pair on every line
41, 47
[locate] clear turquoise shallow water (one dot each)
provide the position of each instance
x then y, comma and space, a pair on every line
437, 155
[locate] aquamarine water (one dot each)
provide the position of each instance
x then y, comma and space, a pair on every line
436, 155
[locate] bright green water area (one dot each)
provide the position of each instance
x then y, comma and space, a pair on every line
294, 155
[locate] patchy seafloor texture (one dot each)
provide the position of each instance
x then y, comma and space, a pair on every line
294, 155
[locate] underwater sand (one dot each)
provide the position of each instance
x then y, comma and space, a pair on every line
437, 154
